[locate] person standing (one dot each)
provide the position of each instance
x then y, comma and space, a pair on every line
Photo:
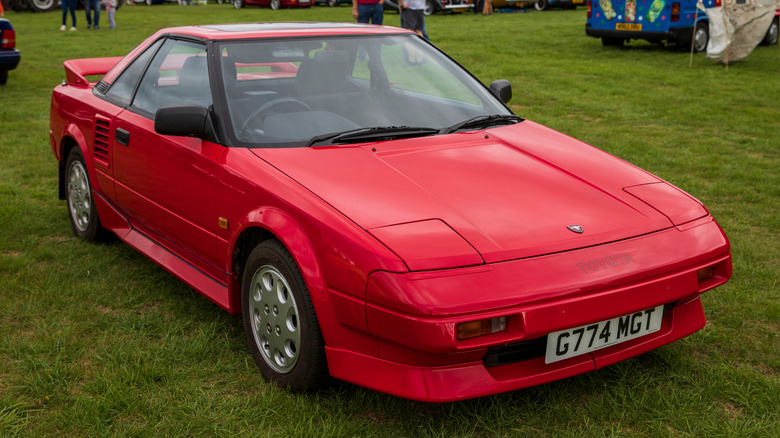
93, 5
111, 10
368, 11
68, 5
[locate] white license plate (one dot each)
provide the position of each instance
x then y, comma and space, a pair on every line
580, 340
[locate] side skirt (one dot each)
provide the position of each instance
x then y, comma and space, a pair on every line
212, 288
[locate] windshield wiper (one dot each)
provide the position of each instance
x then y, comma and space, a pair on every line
379, 133
483, 122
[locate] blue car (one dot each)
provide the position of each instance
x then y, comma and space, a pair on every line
9, 56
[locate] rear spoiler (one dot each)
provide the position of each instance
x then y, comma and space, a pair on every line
77, 70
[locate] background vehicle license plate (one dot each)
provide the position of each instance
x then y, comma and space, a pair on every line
580, 340
628, 26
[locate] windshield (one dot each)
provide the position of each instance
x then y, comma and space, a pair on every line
289, 92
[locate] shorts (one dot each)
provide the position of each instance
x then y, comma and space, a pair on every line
412, 19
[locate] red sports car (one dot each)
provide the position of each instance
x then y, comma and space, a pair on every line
375, 213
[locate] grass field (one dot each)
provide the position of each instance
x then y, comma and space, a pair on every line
98, 341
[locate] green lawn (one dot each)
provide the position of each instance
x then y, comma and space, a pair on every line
99, 341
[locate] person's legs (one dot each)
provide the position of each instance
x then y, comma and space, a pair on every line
87, 10
64, 6
96, 8
72, 7
377, 14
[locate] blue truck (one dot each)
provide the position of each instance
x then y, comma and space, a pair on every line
618, 21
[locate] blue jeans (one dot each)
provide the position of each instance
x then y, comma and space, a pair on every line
373, 13
68, 6
92, 4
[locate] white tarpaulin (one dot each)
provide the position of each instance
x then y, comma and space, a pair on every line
737, 27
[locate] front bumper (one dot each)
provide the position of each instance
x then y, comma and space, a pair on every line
475, 379
414, 316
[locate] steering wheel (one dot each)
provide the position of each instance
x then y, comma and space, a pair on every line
260, 112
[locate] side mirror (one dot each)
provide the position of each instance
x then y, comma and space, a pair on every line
502, 89
188, 121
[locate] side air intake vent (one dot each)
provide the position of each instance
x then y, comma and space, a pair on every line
100, 143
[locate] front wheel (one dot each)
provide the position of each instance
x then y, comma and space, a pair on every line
279, 320
238, 4
276, 4
78, 194
541, 5
333, 3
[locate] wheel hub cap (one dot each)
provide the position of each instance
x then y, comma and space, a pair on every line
274, 314
79, 197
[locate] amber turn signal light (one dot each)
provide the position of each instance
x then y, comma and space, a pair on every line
482, 327
705, 273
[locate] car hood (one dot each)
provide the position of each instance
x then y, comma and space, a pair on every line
494, 195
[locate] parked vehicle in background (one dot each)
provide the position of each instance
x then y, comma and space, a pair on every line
273, 4
9, 55
618, 21
543, 5
434, 6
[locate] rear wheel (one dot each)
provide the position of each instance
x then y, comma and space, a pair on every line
276, 4
281, 326
770, 38
3, 77
238, 4
541, 5
701, 36
333, 3
78, 194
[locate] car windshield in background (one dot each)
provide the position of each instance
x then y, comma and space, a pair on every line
298, 92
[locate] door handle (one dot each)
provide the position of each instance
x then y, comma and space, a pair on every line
122, 136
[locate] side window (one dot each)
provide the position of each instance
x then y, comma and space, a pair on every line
178, 75
121, 89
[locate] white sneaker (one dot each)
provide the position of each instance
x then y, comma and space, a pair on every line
73, 28
62, 27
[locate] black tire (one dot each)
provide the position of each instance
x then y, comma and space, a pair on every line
701, 36
615, 42
43, 5
430, 7
3, 77
332, 3
238, 4
276, 5
541, 5
279, 320
78, 195
770, 39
